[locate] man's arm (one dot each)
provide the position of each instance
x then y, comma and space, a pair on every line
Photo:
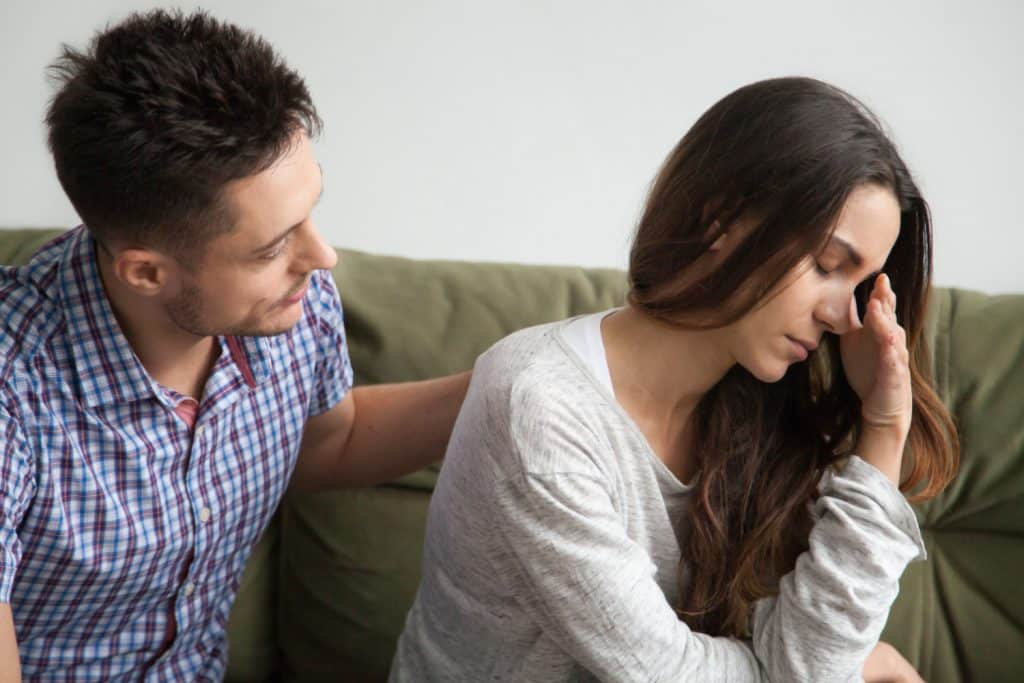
378, 433
17, 484
10, 664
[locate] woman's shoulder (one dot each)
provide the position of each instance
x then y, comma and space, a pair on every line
533, 396
522, 355
535, 368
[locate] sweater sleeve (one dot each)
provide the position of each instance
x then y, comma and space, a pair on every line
594, 590
831, 609
588, 585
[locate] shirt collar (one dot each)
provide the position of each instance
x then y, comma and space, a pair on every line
108, 369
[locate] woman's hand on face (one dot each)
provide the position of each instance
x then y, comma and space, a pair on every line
885, 664
877, 363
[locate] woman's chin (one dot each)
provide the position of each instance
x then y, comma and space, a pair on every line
768, 372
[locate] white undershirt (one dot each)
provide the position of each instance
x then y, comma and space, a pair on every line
584, 337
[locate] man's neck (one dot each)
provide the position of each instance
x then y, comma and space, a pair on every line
172, 356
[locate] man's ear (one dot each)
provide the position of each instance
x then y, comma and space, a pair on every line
144, 271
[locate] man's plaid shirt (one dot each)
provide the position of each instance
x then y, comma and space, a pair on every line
127, 511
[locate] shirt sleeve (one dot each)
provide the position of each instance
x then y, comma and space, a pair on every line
594, 590
334, 376
590, 586
831, 609
17, 486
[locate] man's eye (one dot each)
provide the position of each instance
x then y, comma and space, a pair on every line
278, 250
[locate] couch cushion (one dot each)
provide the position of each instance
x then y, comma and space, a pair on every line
18, 246
960, 616
351, 559
253, 655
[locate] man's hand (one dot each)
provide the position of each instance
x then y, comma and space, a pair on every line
10, 665
379, 433
885, 664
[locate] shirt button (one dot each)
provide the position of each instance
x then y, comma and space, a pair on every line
199, 430
204, 515
190, 588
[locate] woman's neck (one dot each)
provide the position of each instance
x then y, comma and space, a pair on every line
659, 374
669, 367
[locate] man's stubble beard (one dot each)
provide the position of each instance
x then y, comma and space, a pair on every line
186, 312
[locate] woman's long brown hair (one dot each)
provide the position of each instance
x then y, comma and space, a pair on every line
788, 151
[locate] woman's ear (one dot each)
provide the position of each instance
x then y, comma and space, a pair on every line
720, 240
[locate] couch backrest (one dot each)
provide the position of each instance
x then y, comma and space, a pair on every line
414, 319
329, 584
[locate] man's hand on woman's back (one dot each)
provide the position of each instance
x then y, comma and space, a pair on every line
10, 664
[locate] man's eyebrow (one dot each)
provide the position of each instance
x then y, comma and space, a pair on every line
854, 255
271, 243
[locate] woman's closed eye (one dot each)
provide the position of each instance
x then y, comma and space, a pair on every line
822, 270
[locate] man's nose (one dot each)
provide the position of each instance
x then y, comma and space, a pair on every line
316, 254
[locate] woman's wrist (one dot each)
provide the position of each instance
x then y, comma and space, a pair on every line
883, 448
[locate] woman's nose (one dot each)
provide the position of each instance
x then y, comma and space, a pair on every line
839, 313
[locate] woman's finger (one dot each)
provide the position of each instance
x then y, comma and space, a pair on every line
881, 292
879, 286
891, 295
879, 320
894, 353
853, 315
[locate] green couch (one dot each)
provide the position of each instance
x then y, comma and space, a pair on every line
325, 594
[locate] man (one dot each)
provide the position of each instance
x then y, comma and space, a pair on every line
168, 368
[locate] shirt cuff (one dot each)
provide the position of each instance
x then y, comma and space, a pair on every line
7, 573
876, 486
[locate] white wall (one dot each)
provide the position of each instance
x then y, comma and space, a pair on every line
528, 131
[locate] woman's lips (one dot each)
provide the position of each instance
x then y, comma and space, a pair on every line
801, 350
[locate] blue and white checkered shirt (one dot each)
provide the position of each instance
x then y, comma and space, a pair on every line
123, 529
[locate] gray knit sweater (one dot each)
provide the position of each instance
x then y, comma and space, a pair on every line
553, 546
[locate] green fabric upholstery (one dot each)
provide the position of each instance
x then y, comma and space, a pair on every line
960, 616
405, 320
325, 593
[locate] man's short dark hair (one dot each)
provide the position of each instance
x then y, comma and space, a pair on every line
158, 114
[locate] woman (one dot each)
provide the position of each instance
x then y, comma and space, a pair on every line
706, 483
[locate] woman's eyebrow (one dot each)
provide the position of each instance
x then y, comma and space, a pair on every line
853, 254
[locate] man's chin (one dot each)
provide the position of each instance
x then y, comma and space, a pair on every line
268, 329
264, 331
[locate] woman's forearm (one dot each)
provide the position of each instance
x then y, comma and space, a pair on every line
883, 448
831, 608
